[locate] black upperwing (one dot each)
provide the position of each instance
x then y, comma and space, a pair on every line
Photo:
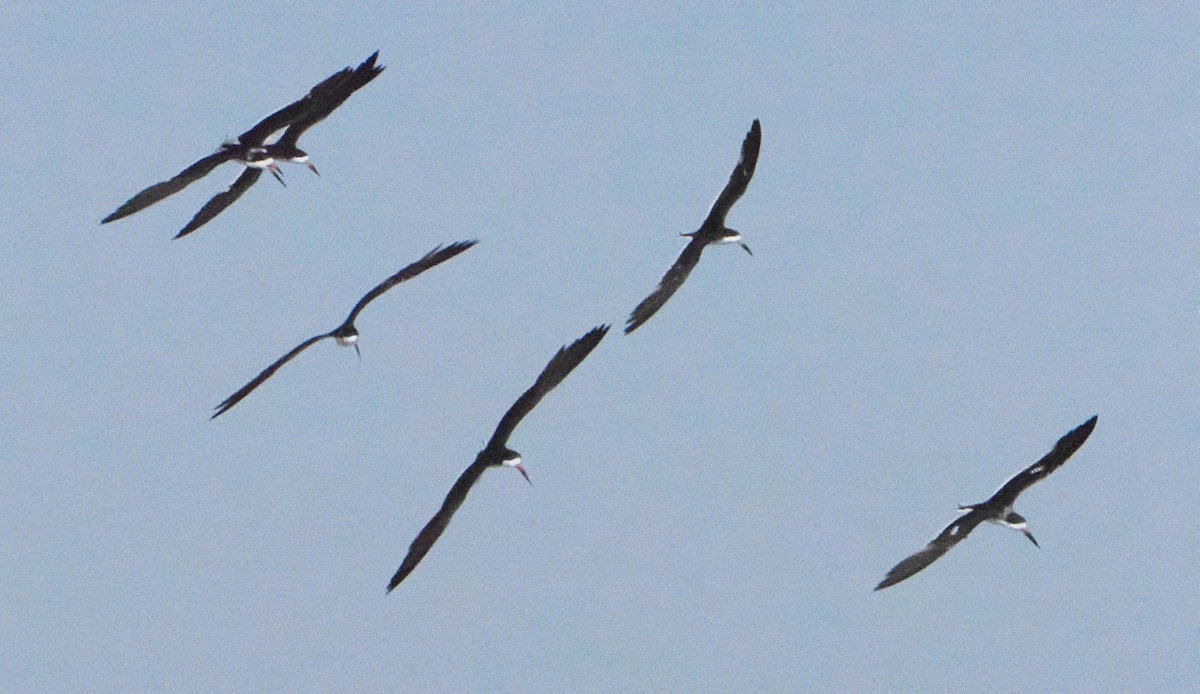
181, 180
437, 256
668, 285
739, 180
437, 525
327, 96
245, 390
217, 204
295, 111
950, 536
561, 364
1064, 449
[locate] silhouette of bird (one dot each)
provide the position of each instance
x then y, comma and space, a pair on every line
998, 509
496, 452
252, 150
346, 334
713, 230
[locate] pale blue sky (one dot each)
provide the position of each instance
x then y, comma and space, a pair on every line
974, 226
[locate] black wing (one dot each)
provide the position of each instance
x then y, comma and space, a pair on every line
738, 180
667, 286
952, 535
1066, 446
220, 201
566, 359
436, 256
327, 96
289, 114
437, 525
162, 190
245, 390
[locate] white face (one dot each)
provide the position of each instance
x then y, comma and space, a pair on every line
347, 341
736, 238
514, 462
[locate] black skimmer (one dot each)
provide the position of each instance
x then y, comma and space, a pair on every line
252, 150
998, 509
346, 334
713, 230
497, 452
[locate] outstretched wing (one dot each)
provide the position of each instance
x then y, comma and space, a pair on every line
566, 359
952, 535
245, 390
738, 180
289, 114
667, 286
437, 525
162, 190
217, 204
436, 256
327, 96
1064, 449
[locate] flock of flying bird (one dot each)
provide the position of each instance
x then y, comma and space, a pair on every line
256, 151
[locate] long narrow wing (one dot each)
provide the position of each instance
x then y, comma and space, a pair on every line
434, 257
667, 286
566, 359
162, 190
1064, 449
738, 180
287, 115
245, 390
437, 525
220, 201
328, 95
952, 535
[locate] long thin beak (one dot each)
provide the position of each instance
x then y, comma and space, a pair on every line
745, 248
312, 168
521, 469
274, 169
357, 352
1030, 536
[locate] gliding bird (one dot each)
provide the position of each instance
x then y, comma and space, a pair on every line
252, 150
346, 334
497, 452
998, 509
713, 230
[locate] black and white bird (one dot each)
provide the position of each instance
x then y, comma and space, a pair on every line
496, 452
346, 334
713, 230
252, 150
998, 509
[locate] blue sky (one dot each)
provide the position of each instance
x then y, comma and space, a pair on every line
974, 226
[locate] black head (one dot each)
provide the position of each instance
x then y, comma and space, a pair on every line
510, 458
1017, 522
347, 336
289, 152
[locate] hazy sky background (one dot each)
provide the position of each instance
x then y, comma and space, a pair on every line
974, 226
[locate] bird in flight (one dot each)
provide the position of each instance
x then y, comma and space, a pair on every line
252, 150
998, 509
713, 230
497, 452
346, 334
